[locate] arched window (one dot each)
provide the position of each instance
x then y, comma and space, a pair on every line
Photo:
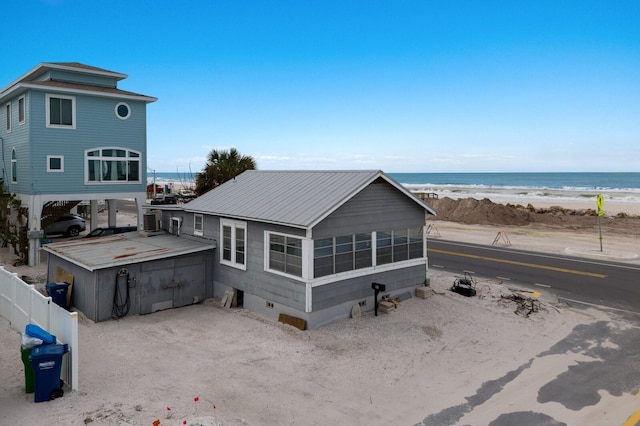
112, 165
14, 166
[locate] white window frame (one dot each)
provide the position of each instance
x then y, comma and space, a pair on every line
234, 225
7, 108
48, 111
61, 158
303, 247
100, 158
198, 230
14, 166
22, 109
175, 225
115, 110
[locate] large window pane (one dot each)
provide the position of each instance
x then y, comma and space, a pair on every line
323, 257
226, 243
285, 254
363, 256
294, 256
344, 253
416, 243
66, 114
54, 111
400, 245
383, 248
240, 246
134, 170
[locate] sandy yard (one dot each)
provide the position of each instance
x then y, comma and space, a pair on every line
401, 368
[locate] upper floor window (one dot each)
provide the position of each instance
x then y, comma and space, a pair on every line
234, 241
110, 165
14, 166
198, 226
21, 110
55, 163
61, 111
8, 109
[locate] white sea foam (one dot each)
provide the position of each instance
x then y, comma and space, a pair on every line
526, 195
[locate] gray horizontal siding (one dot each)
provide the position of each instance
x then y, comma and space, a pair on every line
378, 207
327, 296
255, 280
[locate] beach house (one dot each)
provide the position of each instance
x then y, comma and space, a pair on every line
308, 244
69, 134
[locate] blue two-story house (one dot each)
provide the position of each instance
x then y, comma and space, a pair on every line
68, 134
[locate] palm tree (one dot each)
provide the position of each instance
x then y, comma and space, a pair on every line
222, 166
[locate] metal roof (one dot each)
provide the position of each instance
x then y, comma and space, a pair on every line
124, 249
299, 198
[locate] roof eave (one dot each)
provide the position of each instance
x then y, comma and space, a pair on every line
147, 99
42, 67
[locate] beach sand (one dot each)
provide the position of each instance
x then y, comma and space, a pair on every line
400, 368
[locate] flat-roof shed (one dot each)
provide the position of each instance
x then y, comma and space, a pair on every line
133, 274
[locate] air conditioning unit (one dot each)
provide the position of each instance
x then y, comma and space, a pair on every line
152, 221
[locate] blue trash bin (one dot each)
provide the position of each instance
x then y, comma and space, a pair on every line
46, 361
33, 336
58, 292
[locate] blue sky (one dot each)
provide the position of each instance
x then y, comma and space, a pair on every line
402, 86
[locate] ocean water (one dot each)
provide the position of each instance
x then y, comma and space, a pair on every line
528, 187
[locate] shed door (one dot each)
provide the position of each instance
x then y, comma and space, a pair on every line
172, 284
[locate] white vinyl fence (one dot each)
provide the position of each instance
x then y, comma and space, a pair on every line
22, 304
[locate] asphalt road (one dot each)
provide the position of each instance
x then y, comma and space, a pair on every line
608, 284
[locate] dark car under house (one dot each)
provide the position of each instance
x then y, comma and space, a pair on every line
103, 232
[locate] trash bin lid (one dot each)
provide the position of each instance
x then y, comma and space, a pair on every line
40, 333
46, 351
55, 286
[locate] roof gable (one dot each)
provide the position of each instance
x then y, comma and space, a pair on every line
294, 198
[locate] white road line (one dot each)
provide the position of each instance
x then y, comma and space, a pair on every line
504, 278
542, 285
598, 306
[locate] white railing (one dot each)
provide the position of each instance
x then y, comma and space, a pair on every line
22, 304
